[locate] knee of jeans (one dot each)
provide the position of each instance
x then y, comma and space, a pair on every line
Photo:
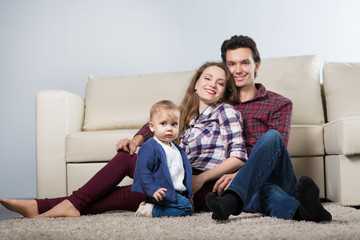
274, 135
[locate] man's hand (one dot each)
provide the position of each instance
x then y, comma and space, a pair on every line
223, 183
129, 146
159, 194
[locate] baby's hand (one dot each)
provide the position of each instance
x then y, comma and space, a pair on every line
159, 194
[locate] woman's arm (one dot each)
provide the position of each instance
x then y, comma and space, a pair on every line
230, 165
231, 130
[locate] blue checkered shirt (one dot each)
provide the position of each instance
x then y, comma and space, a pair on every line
214, 137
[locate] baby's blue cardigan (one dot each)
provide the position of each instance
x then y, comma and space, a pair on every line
152, 172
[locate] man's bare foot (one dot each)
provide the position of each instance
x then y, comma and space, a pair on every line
63, 209
27, 208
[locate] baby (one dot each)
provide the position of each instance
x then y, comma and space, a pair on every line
163, 171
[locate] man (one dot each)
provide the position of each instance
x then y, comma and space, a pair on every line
266, 184
261, 110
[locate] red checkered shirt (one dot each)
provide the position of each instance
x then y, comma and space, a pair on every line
267, 110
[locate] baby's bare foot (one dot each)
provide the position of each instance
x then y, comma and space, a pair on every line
27, 208
63, 209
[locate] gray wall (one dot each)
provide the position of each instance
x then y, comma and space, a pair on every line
56, 44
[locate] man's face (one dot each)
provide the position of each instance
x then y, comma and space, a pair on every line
242, 66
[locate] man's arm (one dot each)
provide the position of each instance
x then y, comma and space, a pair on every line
280, 120
140, 137
145, 132
128, 145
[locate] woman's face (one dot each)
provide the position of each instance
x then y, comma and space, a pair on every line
210, 87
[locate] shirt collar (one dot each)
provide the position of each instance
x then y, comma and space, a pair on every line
204, 115
261, 92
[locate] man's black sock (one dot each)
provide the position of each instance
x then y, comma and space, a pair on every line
310, 208
223, 206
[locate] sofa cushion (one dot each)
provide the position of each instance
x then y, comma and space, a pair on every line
342, 136
341, 88
296, 78
312, 167
94, 146
342, 179
306, 140
124, 102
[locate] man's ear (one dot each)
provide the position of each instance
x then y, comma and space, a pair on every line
151, 126
257, 66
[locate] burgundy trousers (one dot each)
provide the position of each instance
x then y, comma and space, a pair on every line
101, 193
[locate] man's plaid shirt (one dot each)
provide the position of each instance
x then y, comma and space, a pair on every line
267, 110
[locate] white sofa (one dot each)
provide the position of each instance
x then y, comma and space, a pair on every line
76, 136
342, 132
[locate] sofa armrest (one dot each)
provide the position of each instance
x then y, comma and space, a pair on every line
58, 113
341, 136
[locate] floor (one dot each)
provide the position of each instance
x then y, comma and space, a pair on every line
6, 214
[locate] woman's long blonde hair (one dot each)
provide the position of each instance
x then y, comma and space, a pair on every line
189, 107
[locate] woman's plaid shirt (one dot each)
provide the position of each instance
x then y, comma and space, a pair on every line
215, 136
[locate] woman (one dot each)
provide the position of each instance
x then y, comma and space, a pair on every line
212, 138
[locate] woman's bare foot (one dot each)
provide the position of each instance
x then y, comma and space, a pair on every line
27, 208
63, 209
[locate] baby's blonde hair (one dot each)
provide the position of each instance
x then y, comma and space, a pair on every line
164, 105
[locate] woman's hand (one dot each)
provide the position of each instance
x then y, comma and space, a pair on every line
197, 182
223, 183
159, 194
222, 171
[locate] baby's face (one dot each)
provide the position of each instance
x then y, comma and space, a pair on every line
165, 125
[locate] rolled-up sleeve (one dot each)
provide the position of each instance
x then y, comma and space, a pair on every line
145, 132
232, 132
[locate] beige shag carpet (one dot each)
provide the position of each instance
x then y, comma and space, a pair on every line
124, 225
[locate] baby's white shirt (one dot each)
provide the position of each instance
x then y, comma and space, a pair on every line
175, 165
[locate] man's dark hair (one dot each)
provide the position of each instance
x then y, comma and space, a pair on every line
240, 41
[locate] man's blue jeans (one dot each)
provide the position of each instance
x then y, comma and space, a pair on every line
182, 207
266, 182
